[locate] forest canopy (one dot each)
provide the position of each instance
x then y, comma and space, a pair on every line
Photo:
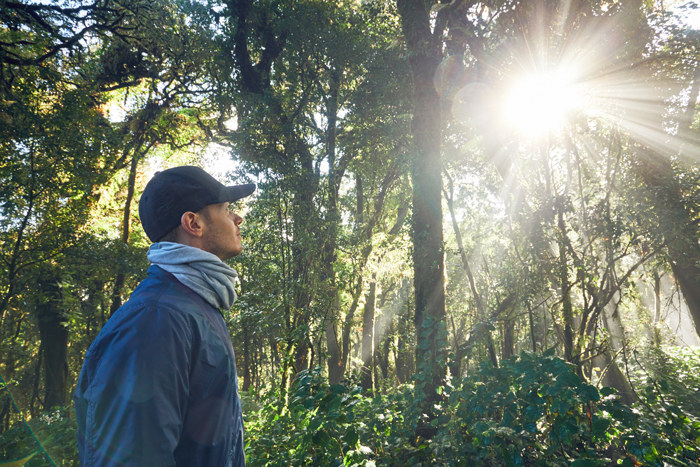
475, 239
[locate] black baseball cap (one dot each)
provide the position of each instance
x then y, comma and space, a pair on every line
173, 192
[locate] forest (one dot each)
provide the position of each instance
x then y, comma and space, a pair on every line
474, 242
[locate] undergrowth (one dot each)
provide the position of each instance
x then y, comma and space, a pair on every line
532, 411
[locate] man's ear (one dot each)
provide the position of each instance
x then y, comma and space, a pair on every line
192, 224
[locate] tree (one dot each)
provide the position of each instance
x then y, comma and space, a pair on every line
424, 48
59, 65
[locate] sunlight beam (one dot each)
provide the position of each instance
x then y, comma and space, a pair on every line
540, 103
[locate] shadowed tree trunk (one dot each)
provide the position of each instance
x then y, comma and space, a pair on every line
302, 256
677, 225
33, 410
566, 305
53, 329
424, 50
335, 361
121, 277
384, 355
246, 358
508, 339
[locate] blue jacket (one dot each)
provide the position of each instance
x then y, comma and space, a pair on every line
159, 386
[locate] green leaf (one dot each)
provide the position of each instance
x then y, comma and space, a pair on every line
351, 438
599, 427
321, 438
585, 463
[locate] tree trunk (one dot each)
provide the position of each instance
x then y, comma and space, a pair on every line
347, 324
676, 224
480, 303
368, 337
403, 356
428, 257
54, 339
383, 356
566, 306
335, 360
335, 363
400, 360
614, 377
126, 224
301, 357
6, 412
246, 358
508, 339
303, 251
37, 378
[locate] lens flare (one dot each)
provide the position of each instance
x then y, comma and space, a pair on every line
540, 103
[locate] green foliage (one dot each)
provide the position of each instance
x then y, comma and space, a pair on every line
536, 411
533, 410
55, 430
675, 373
319, 426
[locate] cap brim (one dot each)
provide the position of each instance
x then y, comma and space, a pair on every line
236, 192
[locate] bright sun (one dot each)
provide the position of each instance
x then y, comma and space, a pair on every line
540, 103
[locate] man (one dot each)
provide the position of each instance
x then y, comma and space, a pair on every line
159, 385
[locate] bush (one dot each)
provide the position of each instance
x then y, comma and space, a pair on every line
532, 411
56, 432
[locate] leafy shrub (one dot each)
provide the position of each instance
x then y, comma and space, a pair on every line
318, 428
55, 430
532, 411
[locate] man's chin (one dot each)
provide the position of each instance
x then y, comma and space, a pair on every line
234, 253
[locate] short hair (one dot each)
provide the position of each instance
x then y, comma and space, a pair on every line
173, 236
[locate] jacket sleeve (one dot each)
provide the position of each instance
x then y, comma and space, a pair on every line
136, 388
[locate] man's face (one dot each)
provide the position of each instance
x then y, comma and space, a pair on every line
222, 234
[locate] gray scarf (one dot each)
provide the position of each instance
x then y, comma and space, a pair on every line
202, 272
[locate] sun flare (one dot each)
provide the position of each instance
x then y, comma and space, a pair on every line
540, 103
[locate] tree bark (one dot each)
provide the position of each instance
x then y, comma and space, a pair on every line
126, 227
615, 378
384, 355
347, 324
676, 224
428, 257
37, 379
508, 339
54, 340
566, 306
368, 337
335, 361
246, 358
304, 218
